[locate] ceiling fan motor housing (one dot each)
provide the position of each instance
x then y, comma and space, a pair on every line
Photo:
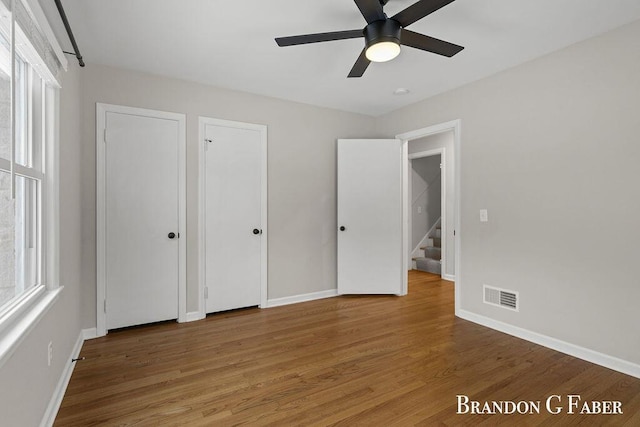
382, 31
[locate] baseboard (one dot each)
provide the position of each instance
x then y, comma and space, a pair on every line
192, 316
58, 394
583, 353
90, 333
301, 298
449, 277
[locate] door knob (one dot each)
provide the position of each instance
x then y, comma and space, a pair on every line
256, 231
171, 235
342, 228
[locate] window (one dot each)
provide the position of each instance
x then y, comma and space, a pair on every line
28, 207
20, 200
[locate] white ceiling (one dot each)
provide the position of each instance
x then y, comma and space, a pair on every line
230, 43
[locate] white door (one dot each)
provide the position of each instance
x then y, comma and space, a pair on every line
234, 230
141, 225
370, 216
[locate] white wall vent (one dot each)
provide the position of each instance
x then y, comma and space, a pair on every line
501, 297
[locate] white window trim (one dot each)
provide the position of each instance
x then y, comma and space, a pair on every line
16, 323
17, 320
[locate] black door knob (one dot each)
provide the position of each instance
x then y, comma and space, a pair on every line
342, 228
171, 235
256, 231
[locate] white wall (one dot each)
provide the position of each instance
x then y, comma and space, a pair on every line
551, 149
301, 162
445, 141
27, 383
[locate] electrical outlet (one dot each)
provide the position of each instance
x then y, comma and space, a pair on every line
49, 353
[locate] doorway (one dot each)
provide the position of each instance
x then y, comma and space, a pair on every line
233, 215
427, 198
412, 143
141, 211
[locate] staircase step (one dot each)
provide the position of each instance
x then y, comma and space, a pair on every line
437, 241
429, 265
433, 252
437, 233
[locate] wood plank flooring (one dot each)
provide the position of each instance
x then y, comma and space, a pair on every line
344, 361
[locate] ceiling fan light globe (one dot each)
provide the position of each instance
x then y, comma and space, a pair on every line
382, 51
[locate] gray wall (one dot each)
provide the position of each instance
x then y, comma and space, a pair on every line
26, 381
551, 149
426, 193
301, 162
444, 140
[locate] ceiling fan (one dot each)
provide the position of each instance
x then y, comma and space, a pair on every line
383, 35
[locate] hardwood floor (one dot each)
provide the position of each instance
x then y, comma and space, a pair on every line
348, 361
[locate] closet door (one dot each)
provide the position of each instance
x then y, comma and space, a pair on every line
140, 209
234, 223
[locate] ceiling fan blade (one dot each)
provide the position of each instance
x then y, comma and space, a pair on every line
419, 10
371, 10
360, 66
430, 44
319, 37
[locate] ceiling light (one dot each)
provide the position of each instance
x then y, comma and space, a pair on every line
382, 52
401, 91
382, 40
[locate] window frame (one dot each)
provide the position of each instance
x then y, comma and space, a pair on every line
19, 316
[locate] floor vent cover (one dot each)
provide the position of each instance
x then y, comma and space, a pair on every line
501, 297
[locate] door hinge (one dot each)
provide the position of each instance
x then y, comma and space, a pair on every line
104, 136
206, 143
440, 165
105, 305
206, 293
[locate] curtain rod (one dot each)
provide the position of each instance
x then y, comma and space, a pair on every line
70, 33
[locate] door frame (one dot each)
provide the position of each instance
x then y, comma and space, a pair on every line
444, 225
262, 129
455, 126
101, 206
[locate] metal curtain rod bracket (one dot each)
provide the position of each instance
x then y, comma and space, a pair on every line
65, 21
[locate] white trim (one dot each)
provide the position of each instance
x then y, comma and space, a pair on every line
428, 153
294, 299
101, 111
36, 10
23, 318
51, 191
449, 277
101, 220
192, 316
89, 333
455, 127
583, 353
405, 260
31, 55
58, 394
262, 129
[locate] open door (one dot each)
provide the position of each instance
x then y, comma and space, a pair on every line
370, 216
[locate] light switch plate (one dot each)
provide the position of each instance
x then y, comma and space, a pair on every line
484, 215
